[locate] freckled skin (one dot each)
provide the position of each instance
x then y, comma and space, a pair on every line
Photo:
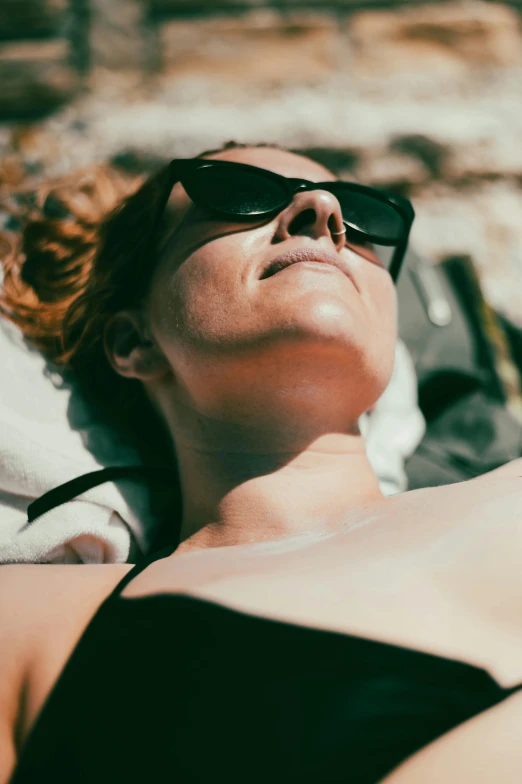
205, 301
266, 379
260, 384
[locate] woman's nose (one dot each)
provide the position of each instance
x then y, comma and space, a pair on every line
313, 214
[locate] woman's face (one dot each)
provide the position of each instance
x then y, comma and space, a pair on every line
227, 332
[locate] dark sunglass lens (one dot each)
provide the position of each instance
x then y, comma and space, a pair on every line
370, 215
236, 192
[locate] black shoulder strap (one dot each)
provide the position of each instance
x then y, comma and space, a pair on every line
69, 490
139, 567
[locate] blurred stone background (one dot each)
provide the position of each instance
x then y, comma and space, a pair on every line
420, 97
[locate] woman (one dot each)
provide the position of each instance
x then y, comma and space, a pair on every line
305, 627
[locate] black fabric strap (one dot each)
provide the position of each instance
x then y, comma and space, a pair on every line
139, 567
69, 490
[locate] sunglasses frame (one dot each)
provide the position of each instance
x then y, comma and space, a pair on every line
180, 169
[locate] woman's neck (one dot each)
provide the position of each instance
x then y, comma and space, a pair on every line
238, 495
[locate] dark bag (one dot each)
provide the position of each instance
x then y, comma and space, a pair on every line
470, 429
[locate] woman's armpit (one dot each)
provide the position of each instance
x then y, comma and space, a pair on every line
485, 749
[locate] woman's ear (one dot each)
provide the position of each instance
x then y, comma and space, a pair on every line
131, 350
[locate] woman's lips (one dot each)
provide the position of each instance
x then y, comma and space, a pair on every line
301, 255
317, 265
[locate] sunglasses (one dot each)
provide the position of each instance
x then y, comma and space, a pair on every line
242, 192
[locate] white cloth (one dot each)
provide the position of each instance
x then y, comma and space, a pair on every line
48, 435
396, 426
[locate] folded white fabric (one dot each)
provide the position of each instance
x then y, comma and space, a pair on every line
49, 435
396, 426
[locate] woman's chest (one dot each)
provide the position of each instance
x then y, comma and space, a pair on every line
436, 570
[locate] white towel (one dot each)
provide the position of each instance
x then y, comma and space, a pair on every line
40, 449
48, 435
396, 426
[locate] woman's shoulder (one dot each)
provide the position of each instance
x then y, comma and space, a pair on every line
36, 600
37, 591
43, 612
24, 576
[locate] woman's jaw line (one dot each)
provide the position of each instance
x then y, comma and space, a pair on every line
274, 428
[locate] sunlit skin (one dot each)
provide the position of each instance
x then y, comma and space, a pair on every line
261, 382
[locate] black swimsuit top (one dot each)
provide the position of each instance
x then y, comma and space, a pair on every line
172, 688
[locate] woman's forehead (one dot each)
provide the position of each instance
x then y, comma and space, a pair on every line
288, 164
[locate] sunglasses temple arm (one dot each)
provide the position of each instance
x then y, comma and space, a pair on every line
398, 258
400, 251
172, 176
